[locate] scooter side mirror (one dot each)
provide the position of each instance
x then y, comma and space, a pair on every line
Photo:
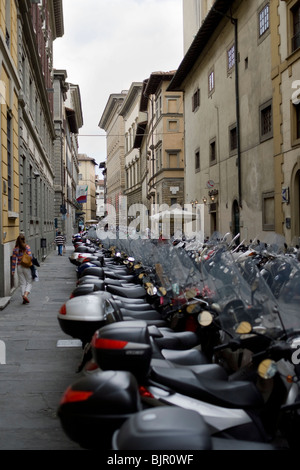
243, 328
267, 369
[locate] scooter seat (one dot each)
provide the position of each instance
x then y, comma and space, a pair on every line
141, 315
234, 394
134, 306
177, 339
207, 370
114, 282
121, 276
150, 322
129, 292
185, 357
126, 301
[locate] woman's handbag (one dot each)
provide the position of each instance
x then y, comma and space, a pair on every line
26, 261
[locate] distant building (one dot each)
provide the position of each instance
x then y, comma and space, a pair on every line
86, 178
132, 158
113, 123
68, 119
160, 139
100, 197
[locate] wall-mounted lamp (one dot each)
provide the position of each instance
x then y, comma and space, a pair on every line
212, 194
35, 175
204, 199
194, 203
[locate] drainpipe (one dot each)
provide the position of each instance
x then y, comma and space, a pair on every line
237, 101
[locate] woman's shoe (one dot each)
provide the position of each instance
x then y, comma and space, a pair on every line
25, 300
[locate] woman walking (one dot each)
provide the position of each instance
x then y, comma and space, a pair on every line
24, 273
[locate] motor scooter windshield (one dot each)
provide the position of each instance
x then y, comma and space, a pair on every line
177, 271
289, 295
240, 291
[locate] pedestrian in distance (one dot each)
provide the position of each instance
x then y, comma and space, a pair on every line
22, 267
60, 241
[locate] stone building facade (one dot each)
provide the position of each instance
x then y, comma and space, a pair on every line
113, 123
68, 119
226, 79
27, 129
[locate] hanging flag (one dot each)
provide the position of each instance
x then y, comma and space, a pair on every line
81, 194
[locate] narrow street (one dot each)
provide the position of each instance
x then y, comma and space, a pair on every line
40, 361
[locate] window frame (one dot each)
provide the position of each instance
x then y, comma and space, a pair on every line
262, 34
197, 157
174, 152
230, 67
213, 144
196, 100
211, 73
9, 124
295, 110
176, 122
232, 150
262, 109
292, 7
268, 195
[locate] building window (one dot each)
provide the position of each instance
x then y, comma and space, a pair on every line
266, 126
264, 20
158, 159
230, 58
7, 22
232, 139
197, 161
30, 191
9, 165
36, 198
295, 124
297, 121
173, 126
211, 82
196, 100
173, 159
212, 152
172, 105
268, 211
30, 94
296, 27
158, 107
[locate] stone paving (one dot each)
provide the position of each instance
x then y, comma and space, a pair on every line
37, 360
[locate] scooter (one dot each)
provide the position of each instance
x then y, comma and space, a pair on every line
234, 409
231, 407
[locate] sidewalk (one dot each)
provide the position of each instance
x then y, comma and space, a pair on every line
37, 370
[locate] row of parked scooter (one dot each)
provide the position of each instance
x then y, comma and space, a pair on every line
181, 351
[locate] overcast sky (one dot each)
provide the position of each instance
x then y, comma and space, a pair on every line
107, 45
